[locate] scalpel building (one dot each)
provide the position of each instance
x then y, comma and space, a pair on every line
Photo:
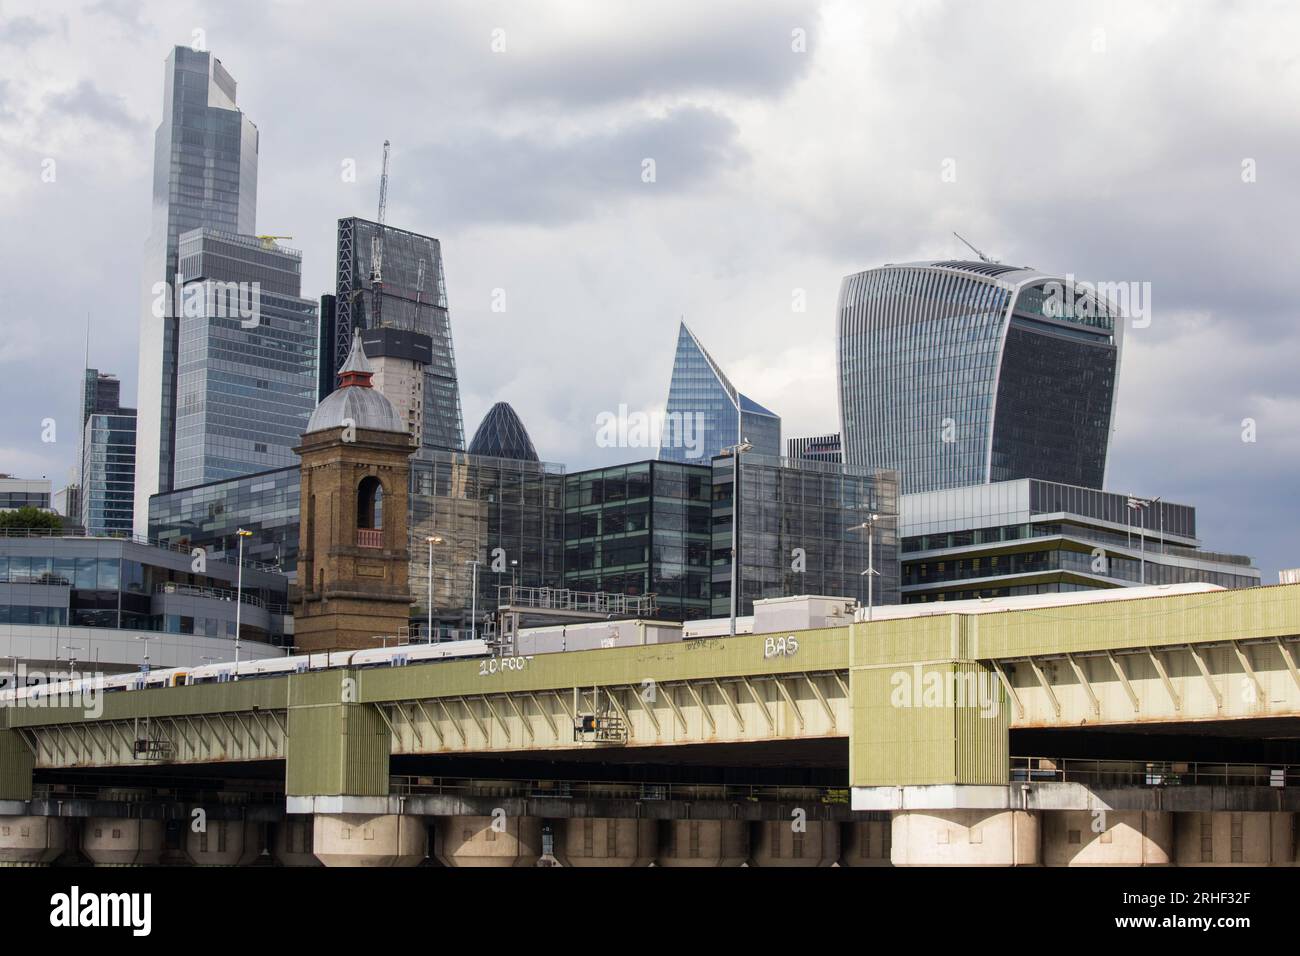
961, 373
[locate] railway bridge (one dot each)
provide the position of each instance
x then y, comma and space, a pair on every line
1169, 722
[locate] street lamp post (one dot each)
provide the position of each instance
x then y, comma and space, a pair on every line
869, 526
473, 614
736, 450
432, 539
144, 665
1140, 505
241, 533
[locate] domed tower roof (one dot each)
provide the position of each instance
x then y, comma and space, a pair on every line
355, 401
502, 435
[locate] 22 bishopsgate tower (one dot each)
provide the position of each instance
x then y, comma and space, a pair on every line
205, 176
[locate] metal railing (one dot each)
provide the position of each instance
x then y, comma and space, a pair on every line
584, 602
1152, 773
217, 594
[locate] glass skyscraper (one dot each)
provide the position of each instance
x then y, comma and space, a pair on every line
502, 435
108, 473
959, 373
205, 175
406, 329
706, 414
246, 371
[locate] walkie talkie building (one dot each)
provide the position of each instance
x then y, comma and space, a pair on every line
959, 373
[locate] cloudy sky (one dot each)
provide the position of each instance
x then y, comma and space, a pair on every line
794, 142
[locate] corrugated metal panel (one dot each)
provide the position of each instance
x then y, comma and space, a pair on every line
16, 764
336, 745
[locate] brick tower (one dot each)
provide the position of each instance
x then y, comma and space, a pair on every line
353, 557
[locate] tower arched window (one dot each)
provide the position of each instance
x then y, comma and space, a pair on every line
370, 503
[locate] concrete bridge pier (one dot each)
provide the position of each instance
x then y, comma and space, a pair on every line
606, 841
490, 841
866, 843
291, 841
1108, 838
704, 843
787, 843
122, 841
934, 837
1229, 838
362, 839
32, 841
224, 843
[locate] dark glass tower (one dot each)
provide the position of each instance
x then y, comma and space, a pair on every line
406, 328
703, 406
962, 373
205, 175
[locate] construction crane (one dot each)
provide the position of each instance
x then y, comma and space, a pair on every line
377, 246
268, 242
983, 258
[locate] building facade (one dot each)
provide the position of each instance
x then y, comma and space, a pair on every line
1038, 537
112, 583
959, 373
797, 519
505, 515
706, 414
18, 493
815, 448
107, 492
209, 517
406, 327
246, 367
205, 175
642, 528
100, 392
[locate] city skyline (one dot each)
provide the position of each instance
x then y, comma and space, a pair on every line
1188, 382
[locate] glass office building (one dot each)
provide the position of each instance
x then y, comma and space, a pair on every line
204, 175
1039, 537
643, 528
208, 516
505, 514
796, 523
246, 373
406, 328
121, 584
957, 373
107, 505
706, 414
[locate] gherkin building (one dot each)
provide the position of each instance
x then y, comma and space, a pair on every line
502, 435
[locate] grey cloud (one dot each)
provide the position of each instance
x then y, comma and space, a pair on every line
479, 176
